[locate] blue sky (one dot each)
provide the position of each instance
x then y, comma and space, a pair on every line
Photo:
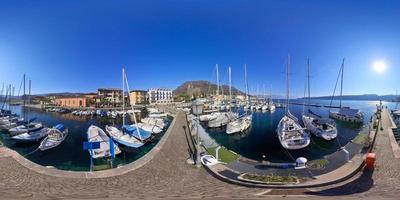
79, 46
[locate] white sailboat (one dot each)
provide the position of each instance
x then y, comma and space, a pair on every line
321, 127
241, 123
223, 118
345, 114
120, 136
290, 133
31, 136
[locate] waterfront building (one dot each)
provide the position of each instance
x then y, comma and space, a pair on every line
73, 102
138, 97
160, 95
109, 97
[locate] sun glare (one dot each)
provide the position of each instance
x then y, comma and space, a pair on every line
379, 66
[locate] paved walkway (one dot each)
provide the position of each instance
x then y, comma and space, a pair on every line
168, 176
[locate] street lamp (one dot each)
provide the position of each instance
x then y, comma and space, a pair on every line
197, 109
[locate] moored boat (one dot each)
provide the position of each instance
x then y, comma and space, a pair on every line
54, 138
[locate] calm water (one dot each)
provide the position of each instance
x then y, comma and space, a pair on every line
70, 154
262, 138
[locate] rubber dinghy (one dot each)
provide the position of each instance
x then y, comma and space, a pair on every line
123, 138
96, 134
54, 138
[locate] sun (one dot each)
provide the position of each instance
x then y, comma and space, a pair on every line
379, 66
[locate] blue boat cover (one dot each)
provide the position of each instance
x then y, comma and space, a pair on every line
60, 127
131, 129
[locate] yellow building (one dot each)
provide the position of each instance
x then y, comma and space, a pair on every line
137, 97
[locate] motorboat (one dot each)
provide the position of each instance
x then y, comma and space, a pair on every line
96, 134
123, 138
348, 114
54, 137
239, 125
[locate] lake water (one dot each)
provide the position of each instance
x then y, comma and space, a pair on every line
261, 140
70, 154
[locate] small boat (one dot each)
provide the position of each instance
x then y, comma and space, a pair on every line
96, 134
222, 119
33, 126
33, 136
123, 138
239, 125
54, 138
348, 114
150, 128
264, 107
208, 117
158, 115
208, 160
154, 121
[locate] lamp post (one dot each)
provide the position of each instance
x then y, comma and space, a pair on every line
197, 109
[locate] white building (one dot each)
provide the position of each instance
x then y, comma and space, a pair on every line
160, 95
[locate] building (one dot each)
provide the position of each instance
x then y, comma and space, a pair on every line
159, 95
72, 102
138, 97
108, 97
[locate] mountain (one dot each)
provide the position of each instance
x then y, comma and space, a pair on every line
363, 97
201, 87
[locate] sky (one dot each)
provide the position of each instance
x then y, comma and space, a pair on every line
79, 46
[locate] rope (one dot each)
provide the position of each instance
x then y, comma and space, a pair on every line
31, 152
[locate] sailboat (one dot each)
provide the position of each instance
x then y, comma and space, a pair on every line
29, 126
223, 118
321, 127
290, 133
241, 123
345, 114
122, 136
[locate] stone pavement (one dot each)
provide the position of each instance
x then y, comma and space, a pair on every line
167, 176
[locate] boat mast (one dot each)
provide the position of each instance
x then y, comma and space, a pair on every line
29, 98
134, 115
23, 97
287, 84
341, 85
308, 84
123, 97
230, 87
246, 83
216, 66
